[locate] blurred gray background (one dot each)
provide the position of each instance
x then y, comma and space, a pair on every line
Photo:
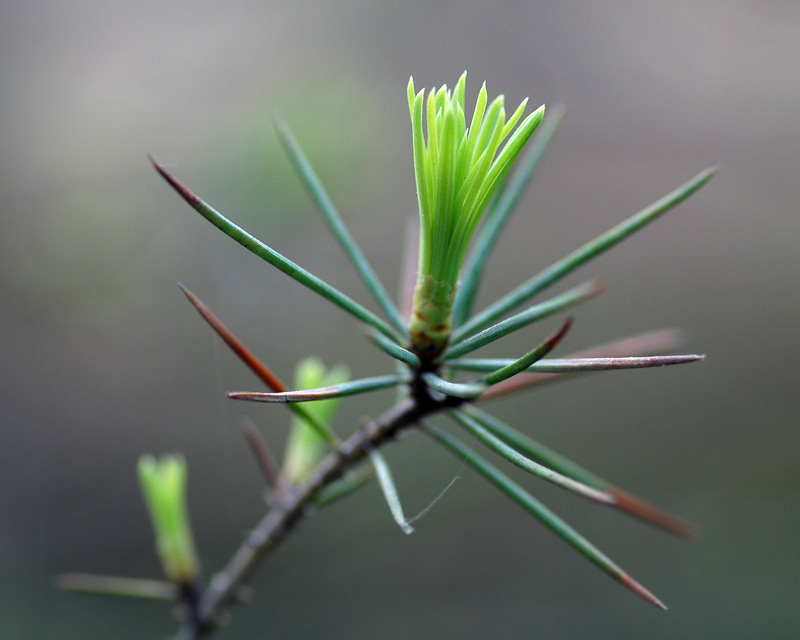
102, 359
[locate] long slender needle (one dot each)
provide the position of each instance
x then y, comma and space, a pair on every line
118, 586
583, 254
466, 390
472, 389
645, 343
537, 509
516, 366
262, 371
546, 456
395, 350
579, 365
647, 512
331, 215
389, 489
506, 200
516, 458
280, 262
365, 385
344, 486
567, 300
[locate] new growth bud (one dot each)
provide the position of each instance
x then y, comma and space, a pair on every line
164, 487
458, 169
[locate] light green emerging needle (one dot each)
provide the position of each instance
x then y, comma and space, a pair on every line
507, 197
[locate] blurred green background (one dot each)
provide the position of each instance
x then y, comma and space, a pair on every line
102, 359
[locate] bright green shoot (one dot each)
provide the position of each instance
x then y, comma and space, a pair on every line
305, 447
458, 169
163, 485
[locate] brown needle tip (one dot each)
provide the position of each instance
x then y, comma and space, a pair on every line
638, 589
183, 191
651, 514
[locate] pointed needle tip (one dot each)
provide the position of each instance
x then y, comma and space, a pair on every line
258, 396
202, 309
686, 359
559, 335
639, 590
182, 190
262, 371
155, 164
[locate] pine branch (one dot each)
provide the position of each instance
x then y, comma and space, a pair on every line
293, 507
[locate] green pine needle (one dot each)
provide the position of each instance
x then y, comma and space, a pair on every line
395, 350
567, 300
549, 458
274, 258
591, 249
465, 390
537, 509
577, 365
389, 489
515, 457
337, 226
356, 387
533, 449
506, 199
529, 358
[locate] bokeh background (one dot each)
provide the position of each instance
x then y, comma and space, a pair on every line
102, 359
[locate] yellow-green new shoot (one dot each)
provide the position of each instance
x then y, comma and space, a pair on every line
458, 169
164, 487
